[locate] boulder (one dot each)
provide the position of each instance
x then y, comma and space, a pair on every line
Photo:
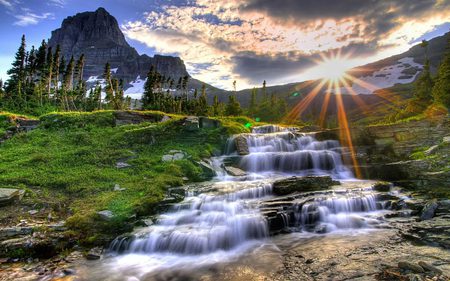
410, 267
235, 172
382, 186
94, 254
302, 184
208, 123
9, 232
27, 124
241, 145
208, 170
429, 210
9, 195
135, 117
191, 123
106, 214
174, 155
122, 164
429, 267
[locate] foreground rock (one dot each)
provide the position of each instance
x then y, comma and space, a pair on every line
302, 184
235, 172
9, 195
241, 145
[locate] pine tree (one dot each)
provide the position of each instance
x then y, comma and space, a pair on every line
216, 106
233, 107
424, 86
252, 107
56, 66
441, 88
16, 81
49, 71
148, 97
202, 102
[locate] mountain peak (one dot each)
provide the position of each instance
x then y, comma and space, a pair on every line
97, 35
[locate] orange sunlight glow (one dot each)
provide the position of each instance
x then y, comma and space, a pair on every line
334, 79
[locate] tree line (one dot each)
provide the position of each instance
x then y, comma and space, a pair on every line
41, 80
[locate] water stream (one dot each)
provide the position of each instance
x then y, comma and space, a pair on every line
221, 221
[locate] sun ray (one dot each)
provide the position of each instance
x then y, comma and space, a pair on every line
345, 134
303, 104
356, 97
326, 101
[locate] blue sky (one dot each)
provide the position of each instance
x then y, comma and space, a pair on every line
248, 40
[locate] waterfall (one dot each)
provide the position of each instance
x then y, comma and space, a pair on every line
273, 149
203, 224
332, 213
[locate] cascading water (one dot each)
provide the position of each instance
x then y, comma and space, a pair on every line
231, 216
274, 149
203, 224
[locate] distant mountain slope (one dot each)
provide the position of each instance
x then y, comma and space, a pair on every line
388, 80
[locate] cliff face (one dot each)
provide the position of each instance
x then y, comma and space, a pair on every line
97, 35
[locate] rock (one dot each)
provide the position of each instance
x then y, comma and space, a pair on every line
191, 123
9, 195
121, 165
27, 124
173, 156
33, 212
208, 123
185, 178
94, 253
429, 267
431, 150
414, 277
148, 222
446, 139
208, 170
410, 267
165, 118
9, 232
302, 184
428, 210
382, 186
118, 188
241, 145
105, 214
136, 117
235, 172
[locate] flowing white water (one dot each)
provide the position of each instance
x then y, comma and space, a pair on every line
225, 222
273, 149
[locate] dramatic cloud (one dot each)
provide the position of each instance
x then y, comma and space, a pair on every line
280, 41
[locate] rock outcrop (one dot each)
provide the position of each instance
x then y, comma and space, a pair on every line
302, 184
97, 35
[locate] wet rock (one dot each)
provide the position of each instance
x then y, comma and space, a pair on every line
302, 184
207, 169
94, 253
428, 210
429, 267
106, 214
410, 267
191, 123
382, 186
241, 145
235, 172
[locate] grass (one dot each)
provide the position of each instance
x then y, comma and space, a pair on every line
72, 157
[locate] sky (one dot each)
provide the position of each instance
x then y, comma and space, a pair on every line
280, 41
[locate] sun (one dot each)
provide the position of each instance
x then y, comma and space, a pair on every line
333, 68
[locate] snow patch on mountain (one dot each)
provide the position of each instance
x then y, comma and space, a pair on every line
403, 72
136, 88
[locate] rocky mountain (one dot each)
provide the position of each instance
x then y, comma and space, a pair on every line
97, 35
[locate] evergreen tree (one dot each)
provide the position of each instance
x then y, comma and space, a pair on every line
216, 106
16, 81
148, 97
233, 107
202, 102
252, 107
56, 67
49, 71
424, 86
441, 88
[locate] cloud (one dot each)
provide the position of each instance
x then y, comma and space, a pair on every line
29, 18
6, 3
57, 3
263, 39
